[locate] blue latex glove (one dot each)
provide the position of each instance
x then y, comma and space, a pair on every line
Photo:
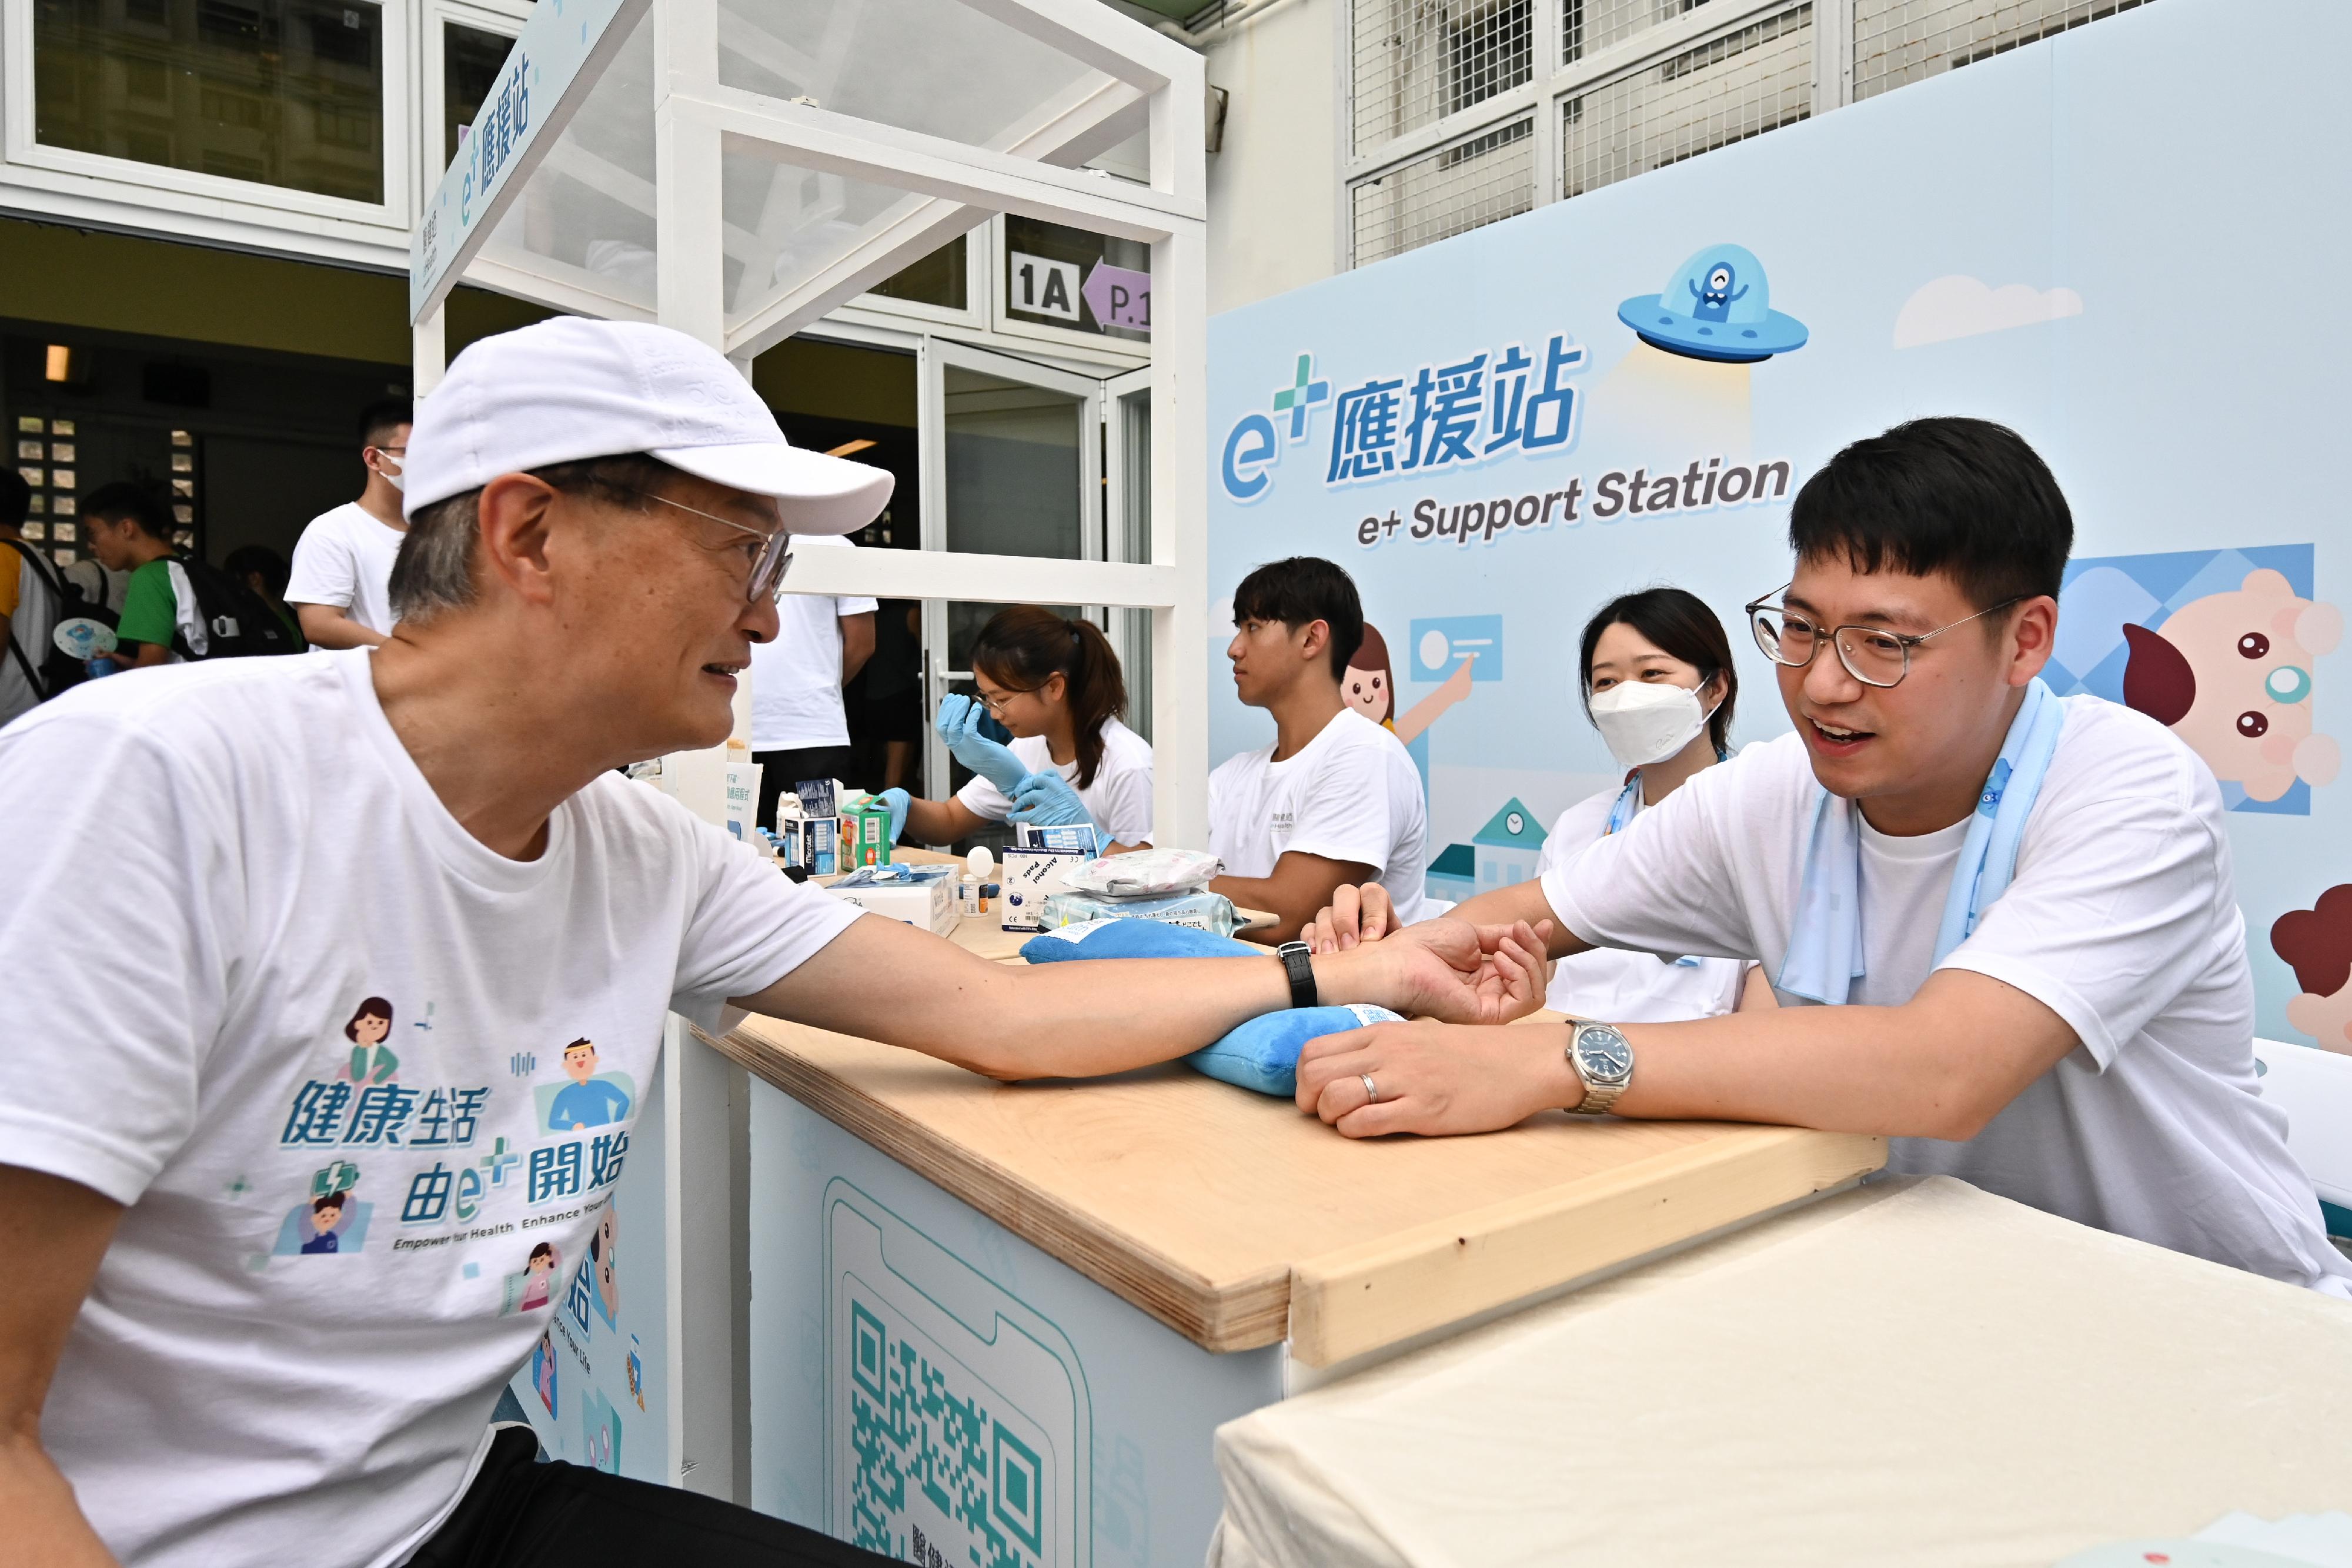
1045, 799
898, 801
959, 725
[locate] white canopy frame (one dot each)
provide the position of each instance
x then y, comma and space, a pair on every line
580, 65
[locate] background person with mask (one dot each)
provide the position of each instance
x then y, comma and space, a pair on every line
341, 586
1660, 687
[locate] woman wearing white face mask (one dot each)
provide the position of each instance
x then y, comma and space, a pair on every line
1660, 687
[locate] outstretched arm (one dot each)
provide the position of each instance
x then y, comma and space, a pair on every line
53, 1232
891, 983
1942, 1065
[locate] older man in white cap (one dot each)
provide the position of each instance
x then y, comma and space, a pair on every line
210, 1349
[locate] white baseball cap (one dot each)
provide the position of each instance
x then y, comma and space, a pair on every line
570, 389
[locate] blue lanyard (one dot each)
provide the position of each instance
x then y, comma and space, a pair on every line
1629, 800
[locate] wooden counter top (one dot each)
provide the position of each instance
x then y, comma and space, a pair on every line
1238, 1222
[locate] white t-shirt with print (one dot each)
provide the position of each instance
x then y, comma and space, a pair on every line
254, 1378
1119, 799
2121, 920
796, 679
344, 560
1616, 985
1349, 794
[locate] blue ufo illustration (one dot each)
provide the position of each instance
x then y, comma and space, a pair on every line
1717, 305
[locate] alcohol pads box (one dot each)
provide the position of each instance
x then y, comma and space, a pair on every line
1028, 877
865, 834
919, 895
812, 843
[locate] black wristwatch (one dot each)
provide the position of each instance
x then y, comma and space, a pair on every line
1298, 962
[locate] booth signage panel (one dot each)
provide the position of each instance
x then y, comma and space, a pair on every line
1497, 434
924, 1382
520, 116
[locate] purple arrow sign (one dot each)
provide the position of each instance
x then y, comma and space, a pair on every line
1121, 297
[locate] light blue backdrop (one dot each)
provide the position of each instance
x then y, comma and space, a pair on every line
2127, 242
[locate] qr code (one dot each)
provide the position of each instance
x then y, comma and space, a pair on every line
935, 1456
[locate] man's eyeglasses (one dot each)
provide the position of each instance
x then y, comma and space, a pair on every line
770, 561
1870, 654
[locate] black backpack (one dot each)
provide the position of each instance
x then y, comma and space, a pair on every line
238, 622
57, 670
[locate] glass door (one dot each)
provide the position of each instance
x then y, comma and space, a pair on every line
1012, 465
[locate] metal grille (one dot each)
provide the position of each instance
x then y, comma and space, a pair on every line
1473, 182
1589, 26
1900, 41
1418, 62
1745, 83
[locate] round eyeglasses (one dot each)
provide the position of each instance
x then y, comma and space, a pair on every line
770, 561
1870, 654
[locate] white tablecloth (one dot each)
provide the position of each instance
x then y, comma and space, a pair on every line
1912, 1374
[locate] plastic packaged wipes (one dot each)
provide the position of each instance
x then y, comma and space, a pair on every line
1146, 873
1209, 912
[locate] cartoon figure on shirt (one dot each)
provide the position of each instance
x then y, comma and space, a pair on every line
1370, 687
330, 1221
540, 1268
371, 1026
2317, 944
589, 1099
2230, 673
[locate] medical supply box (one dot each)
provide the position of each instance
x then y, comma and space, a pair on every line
1029, 878
923, 896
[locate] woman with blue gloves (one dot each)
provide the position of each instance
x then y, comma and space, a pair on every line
1660, 688
1056, 685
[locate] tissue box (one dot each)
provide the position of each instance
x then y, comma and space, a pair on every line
865, 834
919, 895
1030, 876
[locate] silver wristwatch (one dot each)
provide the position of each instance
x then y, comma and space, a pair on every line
1603, 1060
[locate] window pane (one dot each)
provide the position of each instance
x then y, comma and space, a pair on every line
470, 59
1899, 41
279, 93
939, 280
1480, 179
1418, 62
1753, 79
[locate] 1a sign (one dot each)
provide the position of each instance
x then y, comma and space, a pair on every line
1038, 287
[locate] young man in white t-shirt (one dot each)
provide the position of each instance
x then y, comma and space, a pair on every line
2079, 1038
799, 728
260, 1305
1334, 799
341, 583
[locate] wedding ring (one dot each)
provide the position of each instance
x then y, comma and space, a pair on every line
1371, 1090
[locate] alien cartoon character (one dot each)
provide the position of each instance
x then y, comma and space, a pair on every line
2230, 673
1713, 300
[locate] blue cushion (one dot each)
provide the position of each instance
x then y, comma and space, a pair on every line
1140, 939
1262, 1054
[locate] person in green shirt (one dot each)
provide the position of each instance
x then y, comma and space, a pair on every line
129, 530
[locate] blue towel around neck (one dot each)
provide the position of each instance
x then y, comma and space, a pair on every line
1825, 945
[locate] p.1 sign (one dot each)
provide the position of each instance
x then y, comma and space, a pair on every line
1121, 297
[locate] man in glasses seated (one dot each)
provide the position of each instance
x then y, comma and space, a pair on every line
259, 1307
2014, 909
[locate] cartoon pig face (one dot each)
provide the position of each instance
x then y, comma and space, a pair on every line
2231, 674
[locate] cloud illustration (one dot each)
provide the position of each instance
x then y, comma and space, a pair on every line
1959, 306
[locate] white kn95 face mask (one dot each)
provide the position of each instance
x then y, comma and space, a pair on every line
1646, 722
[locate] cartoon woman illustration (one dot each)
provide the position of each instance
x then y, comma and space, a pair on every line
1370, 685
369, 1027
540, 1267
